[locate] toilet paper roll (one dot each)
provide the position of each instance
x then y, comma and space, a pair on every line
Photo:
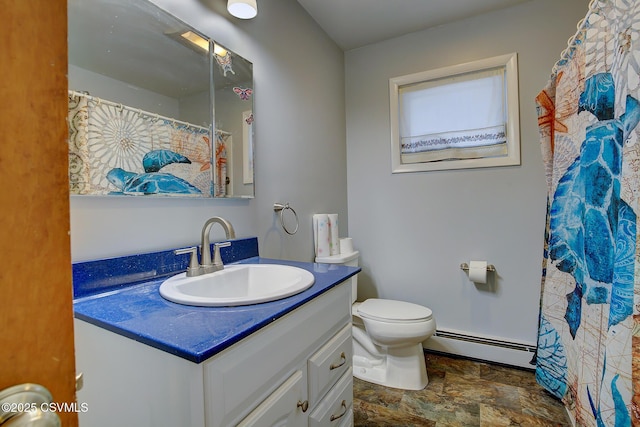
321, 234
346, 245
334, 240
478, 271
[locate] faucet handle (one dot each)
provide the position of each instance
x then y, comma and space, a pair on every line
217, 259
194, 268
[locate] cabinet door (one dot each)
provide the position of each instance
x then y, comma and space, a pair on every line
240, 378
284, 407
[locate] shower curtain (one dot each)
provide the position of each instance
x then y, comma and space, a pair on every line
588, 341
220, 159
105, 137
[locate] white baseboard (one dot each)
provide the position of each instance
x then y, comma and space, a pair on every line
519, 355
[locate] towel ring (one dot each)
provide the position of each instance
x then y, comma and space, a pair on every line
279, 207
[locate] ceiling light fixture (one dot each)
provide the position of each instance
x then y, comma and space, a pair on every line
243, 9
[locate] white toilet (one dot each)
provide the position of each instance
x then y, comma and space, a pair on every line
387, 336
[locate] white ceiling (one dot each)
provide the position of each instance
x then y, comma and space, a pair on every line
356, 23
116, 37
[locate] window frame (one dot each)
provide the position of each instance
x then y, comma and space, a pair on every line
510, 64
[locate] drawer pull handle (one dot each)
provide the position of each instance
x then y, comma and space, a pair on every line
344, 411
304, 405
343, 360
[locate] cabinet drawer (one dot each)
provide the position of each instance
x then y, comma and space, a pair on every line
282, 407
336, 406
348, 419
329, 363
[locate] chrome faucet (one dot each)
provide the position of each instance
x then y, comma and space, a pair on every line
206, 265
205, 257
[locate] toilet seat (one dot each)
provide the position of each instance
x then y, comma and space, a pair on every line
393, 311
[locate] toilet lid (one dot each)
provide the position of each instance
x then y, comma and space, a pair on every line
390, 310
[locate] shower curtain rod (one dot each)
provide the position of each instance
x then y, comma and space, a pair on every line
142, 113
580, 27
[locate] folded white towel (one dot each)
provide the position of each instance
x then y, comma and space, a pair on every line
334, 239
321, 235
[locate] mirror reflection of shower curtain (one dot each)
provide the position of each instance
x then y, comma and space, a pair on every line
220, 161
247, 147
104, 136
589, 341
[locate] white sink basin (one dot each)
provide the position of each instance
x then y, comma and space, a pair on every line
241, 284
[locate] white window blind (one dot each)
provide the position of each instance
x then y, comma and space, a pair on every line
457, 117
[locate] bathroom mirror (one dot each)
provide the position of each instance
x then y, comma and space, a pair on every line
233, 112
141, 106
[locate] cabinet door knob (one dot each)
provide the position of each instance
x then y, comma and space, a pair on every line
343, 405
304, 405
343, 360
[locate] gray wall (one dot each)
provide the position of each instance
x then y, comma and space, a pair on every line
82, 80
300, 144
414, 229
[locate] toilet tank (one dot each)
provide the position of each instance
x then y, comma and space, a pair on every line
350, 260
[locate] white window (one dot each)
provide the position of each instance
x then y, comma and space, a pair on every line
465, 116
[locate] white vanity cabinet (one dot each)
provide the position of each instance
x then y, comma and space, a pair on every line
295, 371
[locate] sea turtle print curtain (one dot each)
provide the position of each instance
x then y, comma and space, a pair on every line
589, 337
220, 158
119, 150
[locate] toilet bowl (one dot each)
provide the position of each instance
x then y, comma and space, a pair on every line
387, 336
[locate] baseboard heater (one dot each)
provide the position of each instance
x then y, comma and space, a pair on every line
486, 341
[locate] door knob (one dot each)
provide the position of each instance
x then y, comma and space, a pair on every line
79, 381
27, 405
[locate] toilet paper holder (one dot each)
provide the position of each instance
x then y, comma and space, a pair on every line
464, 266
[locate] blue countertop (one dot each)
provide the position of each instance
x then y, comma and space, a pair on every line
139, 312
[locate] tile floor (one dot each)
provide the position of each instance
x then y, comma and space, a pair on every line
460, 392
